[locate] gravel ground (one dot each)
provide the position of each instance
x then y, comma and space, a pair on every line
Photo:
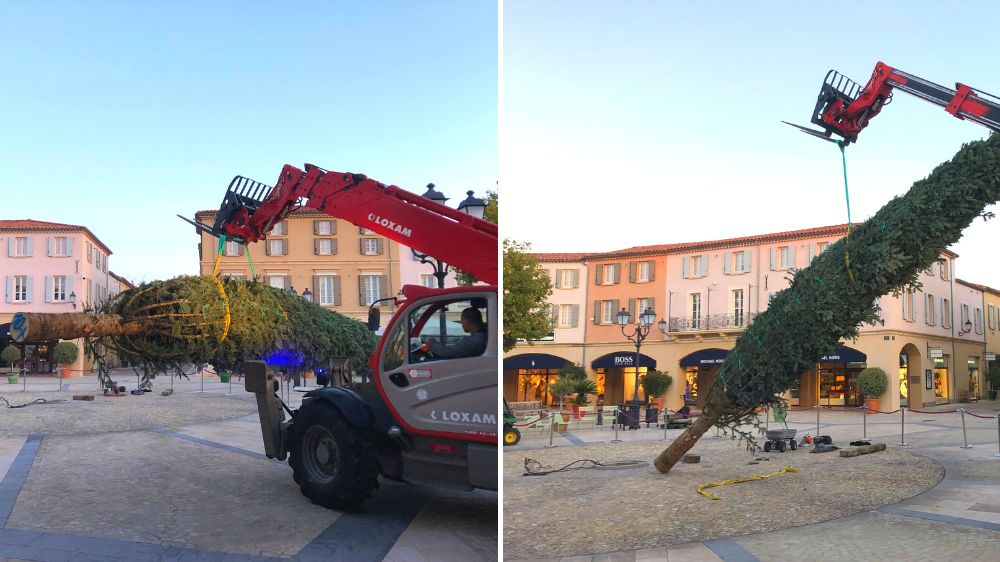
121, 413
594, 511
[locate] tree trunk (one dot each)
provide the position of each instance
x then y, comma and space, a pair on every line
33, 326
669, 457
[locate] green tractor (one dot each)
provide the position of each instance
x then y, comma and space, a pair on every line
511, 436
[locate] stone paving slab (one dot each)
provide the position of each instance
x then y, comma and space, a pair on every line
462, 539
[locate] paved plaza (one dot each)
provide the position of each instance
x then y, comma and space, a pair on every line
200, 491
958, 519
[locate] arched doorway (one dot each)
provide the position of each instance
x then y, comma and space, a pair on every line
526, 377
911, 377
700, 368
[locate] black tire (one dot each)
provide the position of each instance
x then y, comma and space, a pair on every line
781, 446
793, 444
334, 464
767, 446
511, 436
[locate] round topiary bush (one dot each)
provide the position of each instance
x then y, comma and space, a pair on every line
9, 355
65, 353
655, 384
873, 382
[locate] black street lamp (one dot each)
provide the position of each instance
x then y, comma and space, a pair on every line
637, 336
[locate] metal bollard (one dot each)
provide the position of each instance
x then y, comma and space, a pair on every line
817, 419
997, 454
965, 437
230, 384
552, 429
767, 417
664, 424
902, 428
865, 421
202, 381
615, 424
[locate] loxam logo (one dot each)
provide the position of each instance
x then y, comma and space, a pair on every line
390, 225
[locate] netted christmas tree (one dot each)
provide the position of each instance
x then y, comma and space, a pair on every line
827, 301
160, 327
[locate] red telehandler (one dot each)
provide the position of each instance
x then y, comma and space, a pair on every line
844, 108
418, 418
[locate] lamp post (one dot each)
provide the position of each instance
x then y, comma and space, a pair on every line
307, 294
968, 328
637, 336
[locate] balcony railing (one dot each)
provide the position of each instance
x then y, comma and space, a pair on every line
710, 322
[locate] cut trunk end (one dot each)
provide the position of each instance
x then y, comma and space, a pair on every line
669, 457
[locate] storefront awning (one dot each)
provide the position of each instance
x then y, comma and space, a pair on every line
533, 361
705, 358
621, 359
844, 354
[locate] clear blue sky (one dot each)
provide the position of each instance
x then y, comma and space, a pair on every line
118, 115
629, 123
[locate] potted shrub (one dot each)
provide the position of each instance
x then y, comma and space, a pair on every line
993, 376
65, 354
654, 385
561, 388
9, 355
873, 382
582, 388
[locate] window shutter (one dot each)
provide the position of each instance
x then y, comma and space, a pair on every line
48, 288
927, 317
618, 272
559, 279
50, 242
576, 280
31, 250
704, 265
791, 256
746, 261
726, 257
774, 252
554, 314
598, 274
69, 246
631, 310
267, 247
574, 315
315, 228
336, 290
361, 291
361, 246
812, 254
652, 270
631, 272
315, 246
333, 226
315, 286
10, 290
361, 230
383, 287
597, 306
615, 306
684, 267
379, 246
284, 246
333, 246
944, 314
10, 247
652, 303
31, 284
287, 282
69, 285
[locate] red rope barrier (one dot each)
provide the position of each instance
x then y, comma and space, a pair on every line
978, 416
881, 412
926, 412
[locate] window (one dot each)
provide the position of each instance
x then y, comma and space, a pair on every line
276, 247
567, 278
568, 315
908, 302
276, 281
364, 230
989, 317
695, 308
737, 307
611, 274
640, 306
232, 248
233, 274
929, 313
739, 262
59, 288
787, 257
943, 266
60, 246
326, 289
645, 271
428, 281
978, 320
21, 247
371, 246
697, 264
280, 229
964, 315
371, 288
945, 313
22, 288
325, 247
609, 309
324, 228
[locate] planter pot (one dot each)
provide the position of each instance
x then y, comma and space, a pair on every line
872, 405
224, 377
562, 427
66, 372
12, 377
576, 411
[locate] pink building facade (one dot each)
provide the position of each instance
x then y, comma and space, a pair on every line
51, 267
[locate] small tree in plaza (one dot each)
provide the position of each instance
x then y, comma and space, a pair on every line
655, 384
873, 382
65, 354
10, 354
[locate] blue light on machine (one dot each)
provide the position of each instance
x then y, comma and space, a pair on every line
283, 358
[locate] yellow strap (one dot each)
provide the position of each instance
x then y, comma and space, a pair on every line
225, 302
218, 255
701, 489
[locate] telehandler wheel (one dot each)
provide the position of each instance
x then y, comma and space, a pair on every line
511, 436
335, 465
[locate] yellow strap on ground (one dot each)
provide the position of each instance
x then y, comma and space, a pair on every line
225, 302
701, 489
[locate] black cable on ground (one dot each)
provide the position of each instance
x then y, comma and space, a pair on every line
38, 401
535, 468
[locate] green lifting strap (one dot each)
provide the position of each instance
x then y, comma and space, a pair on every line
847, 196
249, 259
